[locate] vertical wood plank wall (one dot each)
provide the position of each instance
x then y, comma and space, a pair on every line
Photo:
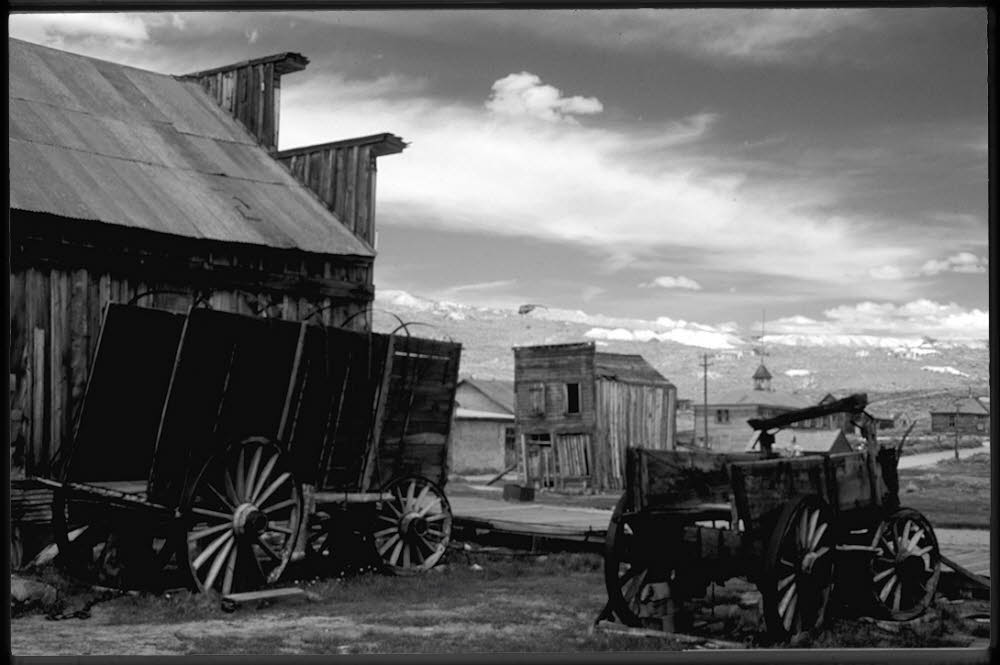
251, 94
631, 415
343, 176
55, 319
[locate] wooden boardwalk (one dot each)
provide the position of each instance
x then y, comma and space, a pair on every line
588, 525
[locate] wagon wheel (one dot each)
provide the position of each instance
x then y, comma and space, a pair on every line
905, 569
413, 528
626, 573
798, 569
104, 545
242, 518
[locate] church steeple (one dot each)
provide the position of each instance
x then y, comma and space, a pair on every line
762, 378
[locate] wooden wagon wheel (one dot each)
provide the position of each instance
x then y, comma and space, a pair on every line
626, 573
109, 546
798, 568
413, 528
242, 518
905, 569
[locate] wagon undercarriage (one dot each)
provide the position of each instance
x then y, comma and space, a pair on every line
217, 448
803, 529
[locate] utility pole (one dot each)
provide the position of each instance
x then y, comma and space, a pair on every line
957, 403
704, 364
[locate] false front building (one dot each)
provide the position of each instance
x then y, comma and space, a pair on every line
577, 410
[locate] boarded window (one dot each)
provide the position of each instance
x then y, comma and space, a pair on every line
509, 446
722, 415
536, 399
572, 398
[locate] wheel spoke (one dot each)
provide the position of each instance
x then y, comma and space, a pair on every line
385, 532
406, 555
211, 513
895, 597
887, 588
227, 582
264, 475
287, 503
818, 536
217, 564
811, 539
785, 581
410, 489
240, 475
225, 502
437, 518
786, 599
394, 557
230, 490
198, 535
267, 550
883, 574
387, 544
280, 528
436, 503
789, 616
272, 488
251, 481
820, 552
212, 547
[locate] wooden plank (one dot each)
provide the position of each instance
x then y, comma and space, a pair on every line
374, 443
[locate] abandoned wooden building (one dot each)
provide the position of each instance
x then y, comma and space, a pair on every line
964, 416
578, 409
139, 187
482, 434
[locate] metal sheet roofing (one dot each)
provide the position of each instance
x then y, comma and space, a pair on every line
760, 397
627, 368
94, 140
500, 392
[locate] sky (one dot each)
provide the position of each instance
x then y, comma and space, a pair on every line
823, 169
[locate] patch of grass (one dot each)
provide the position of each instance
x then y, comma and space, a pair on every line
952, 493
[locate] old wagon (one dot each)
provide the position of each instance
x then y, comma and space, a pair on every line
800, 528
214, 448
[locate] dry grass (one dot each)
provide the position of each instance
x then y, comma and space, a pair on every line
952, 493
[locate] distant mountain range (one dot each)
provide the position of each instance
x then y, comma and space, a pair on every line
888, 368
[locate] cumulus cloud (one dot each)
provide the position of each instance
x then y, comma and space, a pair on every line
965, 262
524, 94
668, 282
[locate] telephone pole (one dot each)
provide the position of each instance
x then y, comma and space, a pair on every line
704, 364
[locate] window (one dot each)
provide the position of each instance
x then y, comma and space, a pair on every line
951, 421
536, 399
509, 446
572, 398
722, 415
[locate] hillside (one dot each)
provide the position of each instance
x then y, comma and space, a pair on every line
909, 376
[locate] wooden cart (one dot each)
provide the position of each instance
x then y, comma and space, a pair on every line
797, 527
215, 448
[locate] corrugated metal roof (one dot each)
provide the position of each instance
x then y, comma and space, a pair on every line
95, 140
472, 414
627, 368
965, 405
500, 392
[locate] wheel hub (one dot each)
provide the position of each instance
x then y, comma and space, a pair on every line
412, 523
248, 520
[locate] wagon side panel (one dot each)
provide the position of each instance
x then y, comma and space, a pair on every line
419, 408
764, 487
121, 410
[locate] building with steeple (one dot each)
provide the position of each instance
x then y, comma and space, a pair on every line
728, 412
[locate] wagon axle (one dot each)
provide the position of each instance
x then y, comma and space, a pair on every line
249, 520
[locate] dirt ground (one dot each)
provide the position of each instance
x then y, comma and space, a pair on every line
475, 603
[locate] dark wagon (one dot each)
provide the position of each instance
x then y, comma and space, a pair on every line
215, 448
798, 527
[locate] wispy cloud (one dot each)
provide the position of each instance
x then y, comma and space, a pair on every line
965, 262
668, 282
918, 317
55, 30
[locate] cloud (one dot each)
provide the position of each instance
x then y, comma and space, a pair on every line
524, 94
474, 170
886, 273
56, 30
667, 282
918, 317
963, 262
481, 286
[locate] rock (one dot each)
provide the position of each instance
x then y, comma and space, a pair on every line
26, 594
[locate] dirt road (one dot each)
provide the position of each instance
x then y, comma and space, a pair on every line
929, 459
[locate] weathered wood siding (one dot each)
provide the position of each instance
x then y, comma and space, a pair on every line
630, 415
251, 92
58, 291
343, 176
552, 368
964, 423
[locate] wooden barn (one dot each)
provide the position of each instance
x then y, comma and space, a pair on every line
483, 439
137, 187
577, 410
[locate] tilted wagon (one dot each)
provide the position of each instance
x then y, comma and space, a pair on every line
215, 448
796, 526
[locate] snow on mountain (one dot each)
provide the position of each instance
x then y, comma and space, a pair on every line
797, 372
943, 370
689, 337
